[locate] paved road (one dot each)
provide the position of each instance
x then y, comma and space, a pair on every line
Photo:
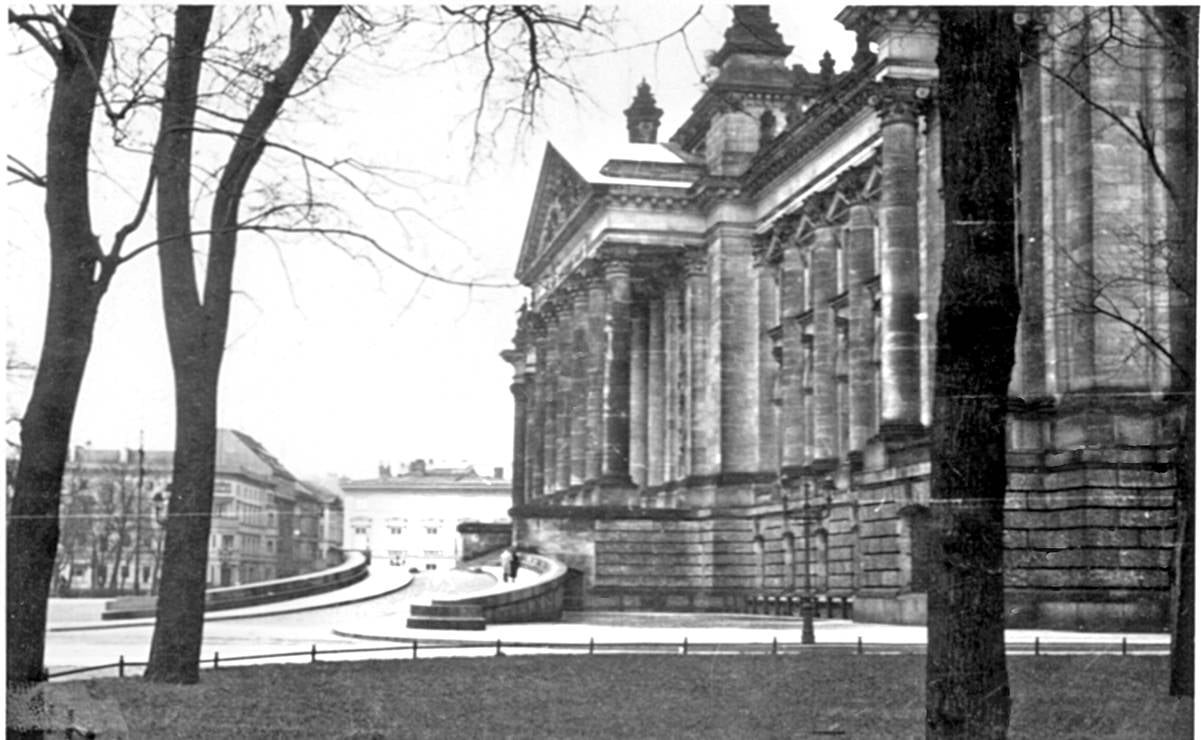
246, 636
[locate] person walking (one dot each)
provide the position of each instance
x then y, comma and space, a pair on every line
514, 562
506, 563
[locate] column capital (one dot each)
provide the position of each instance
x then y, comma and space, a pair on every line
902, 101
695, 262
619, 256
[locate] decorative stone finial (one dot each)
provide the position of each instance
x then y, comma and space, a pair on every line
863, 53
827, 69
642, 117
752, 32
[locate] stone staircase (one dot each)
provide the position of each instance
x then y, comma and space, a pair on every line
446, 617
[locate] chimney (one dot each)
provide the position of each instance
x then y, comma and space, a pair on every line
498, 473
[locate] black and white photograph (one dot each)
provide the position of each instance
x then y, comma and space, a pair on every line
798, 370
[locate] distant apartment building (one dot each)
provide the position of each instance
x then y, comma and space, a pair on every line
330, 521
265, 523
412, 519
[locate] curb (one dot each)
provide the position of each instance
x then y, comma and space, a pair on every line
219, 617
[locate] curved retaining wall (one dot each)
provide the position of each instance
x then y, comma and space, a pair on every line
541, 601
352, 570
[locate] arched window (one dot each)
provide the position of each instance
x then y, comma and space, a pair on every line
760, 562
916, 548
789, 544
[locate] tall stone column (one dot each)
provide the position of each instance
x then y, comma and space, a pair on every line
673, 309
696, 309
535, 419
639, 399
792, 389
518, 469
596, 375
734, 319
551, 400
825, 389
900, 286
861, 268
580, 361
567, 391
516, 358
656, 391
615, 461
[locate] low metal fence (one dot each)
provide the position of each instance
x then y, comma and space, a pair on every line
414, 649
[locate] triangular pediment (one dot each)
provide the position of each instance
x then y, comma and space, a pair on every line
560, 193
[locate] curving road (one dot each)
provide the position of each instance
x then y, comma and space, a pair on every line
250, 635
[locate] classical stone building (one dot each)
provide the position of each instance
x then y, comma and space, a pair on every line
723, 376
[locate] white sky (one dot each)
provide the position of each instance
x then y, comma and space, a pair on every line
335, 365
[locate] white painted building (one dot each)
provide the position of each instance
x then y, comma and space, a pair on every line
412, 519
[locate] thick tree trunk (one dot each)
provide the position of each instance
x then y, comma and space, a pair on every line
196, 328
967, 688
1180, 145
70, 318
179, 626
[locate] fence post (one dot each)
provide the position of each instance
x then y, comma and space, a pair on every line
313, 654
1036, 646
591, 645
121, 666
685, 646
1123, 646
859, 645
498, 652
414, 650
216, 660
773, 646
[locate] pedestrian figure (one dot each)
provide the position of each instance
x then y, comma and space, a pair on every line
514, 562
506, 563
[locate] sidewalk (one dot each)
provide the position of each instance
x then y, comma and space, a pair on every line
609, 628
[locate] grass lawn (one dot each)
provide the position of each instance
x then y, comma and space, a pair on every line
640, 696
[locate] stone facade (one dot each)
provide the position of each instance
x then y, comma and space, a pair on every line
723, 378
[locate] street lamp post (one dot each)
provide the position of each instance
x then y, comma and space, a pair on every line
810, 512
137, 521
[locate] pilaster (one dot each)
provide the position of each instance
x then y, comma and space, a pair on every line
825, 392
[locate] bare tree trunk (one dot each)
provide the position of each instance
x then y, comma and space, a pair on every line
1179, 25
196, 329
71, 316
967, 685
179, 627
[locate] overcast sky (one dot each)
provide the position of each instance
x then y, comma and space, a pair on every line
334, 364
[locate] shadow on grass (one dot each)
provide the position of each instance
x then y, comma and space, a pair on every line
640, 696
